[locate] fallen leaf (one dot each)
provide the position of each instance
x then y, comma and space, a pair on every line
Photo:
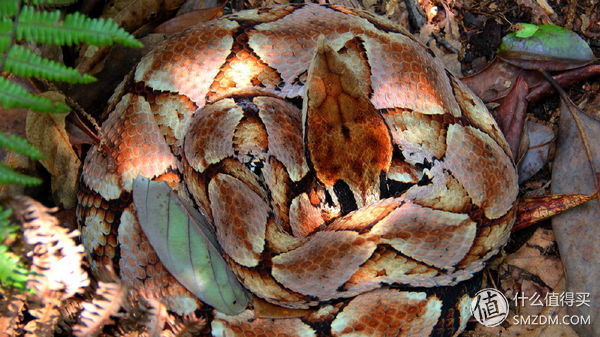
593, 108
546, 47
494, 81
194, 5
186, 245
527, 277
541, 10
184, 21
47, 133
577, 231
511, 115
538, 257
540, 143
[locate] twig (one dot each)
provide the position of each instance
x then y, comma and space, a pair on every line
564, 79
78, 109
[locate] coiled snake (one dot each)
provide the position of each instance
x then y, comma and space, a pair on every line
344, 170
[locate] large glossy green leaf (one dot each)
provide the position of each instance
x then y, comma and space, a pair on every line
547, 47
186, 245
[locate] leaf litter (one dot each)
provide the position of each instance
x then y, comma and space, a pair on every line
528, 267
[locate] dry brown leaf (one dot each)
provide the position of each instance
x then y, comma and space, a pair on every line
593, 108
46, 316
532, 272
494, 81
184, 21
20, 163
537, 256
542, 11
541, 139
47, 133
511, 115
96, 314
132, 14
577, 231
249, 4
11, 311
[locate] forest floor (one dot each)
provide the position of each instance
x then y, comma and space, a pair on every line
553, 258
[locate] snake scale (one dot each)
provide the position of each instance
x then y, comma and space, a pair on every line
348, 176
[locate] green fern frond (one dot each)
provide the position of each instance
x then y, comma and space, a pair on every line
6, 230
17, 144
47, 27
10, 176
8, 7
14, 96
5, 33
23, 62
50, 2
12, 271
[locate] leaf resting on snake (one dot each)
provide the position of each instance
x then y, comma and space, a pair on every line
185, 244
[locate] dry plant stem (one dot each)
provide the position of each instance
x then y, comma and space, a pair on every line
574, 110
564, 79
491, 278
439, 39
81, 112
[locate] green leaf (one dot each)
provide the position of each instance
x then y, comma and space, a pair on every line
546, 47
5, 33
8, 7
526, 30
47, 27
50, 2
10, 176
17, 144
6, 230
186, 245
23, 62
12, 272
13, 95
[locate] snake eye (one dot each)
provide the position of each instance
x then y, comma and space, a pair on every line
256, 166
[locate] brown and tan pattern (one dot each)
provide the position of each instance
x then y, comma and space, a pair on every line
341, 166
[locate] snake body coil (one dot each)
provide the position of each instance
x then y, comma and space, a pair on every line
347, 174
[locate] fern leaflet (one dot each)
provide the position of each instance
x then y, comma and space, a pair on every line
14, 96
12, 272
50, 2
8, 7
5, 33
47, 27
10, 176
23, 62
17, 144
